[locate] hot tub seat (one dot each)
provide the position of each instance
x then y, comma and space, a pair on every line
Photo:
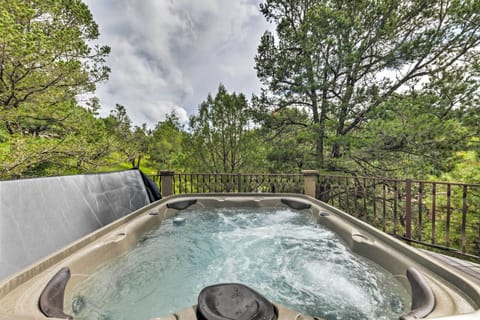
423, 300
233, 301
52, 296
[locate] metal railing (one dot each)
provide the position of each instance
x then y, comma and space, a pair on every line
225, 182
441, 215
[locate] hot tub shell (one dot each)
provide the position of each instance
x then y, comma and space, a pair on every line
456, 295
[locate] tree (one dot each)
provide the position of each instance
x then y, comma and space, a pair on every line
408, 136
344, 61
79, 144
287, 135
132, 143
46, 60
220, 138
165, 147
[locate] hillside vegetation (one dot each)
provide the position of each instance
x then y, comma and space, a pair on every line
384, 88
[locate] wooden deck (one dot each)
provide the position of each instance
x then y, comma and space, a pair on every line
469, 269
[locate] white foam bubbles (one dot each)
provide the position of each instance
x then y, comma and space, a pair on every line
279, 252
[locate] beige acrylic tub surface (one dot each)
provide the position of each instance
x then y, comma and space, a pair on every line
456, 297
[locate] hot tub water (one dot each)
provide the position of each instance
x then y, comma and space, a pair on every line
283, 254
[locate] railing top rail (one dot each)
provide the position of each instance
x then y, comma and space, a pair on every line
244, 174
402, 180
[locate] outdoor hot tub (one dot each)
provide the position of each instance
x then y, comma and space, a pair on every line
288, 253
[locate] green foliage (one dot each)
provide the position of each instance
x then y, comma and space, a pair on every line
220, 141
289, 148
466, 168
165, 147
78, 144
385, 88
346, 61
131, 142
450, 205
46, 60
46, 57
407, 136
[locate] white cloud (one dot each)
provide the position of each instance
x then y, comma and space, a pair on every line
170, 54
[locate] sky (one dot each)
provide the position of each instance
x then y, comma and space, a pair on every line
167, 55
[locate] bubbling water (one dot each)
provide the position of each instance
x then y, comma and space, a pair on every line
283, 254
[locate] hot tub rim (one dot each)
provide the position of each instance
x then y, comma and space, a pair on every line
427, 262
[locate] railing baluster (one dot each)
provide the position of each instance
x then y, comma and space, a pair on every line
176, 182
191, 183
434, 209
464, 219
408, 209
449, 211
333, 190
184, 183
384, 207
420, 209
395, 191
339, 192
374, 201
356, 199
180, 184
346, 193
365, 215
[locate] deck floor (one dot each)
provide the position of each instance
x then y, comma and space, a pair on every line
469, 269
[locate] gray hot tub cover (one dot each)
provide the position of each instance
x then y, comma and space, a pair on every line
41, 215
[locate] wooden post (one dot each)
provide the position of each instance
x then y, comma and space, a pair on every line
310, 180
166, 178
